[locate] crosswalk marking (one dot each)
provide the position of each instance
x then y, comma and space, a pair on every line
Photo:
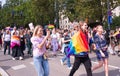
32, 63
18, 67
108, 65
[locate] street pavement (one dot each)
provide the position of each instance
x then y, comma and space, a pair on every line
26, 68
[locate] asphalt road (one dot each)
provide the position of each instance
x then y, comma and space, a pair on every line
26, 68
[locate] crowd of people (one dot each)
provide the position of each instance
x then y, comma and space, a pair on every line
16, 40
40, 40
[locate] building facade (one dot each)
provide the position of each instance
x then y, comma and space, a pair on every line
64, 22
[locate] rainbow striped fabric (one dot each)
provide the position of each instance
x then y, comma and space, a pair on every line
78, 44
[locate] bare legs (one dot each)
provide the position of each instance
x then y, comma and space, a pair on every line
100, 64
106, 67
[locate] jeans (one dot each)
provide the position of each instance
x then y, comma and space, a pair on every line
66, 58
78, 60
41, 65
6, 44
29, 46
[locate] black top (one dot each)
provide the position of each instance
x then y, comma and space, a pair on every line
22, 43
67, 37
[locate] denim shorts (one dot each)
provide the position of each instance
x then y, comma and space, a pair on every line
99, 56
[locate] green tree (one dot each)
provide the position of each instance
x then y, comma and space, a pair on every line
21, 12
44, 11
12, 12
91, 9
116, 22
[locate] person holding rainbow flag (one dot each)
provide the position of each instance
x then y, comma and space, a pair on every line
79, 47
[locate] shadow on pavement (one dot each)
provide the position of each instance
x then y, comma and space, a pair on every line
5, 67
5, 60
27, 57
115, 72
93, 58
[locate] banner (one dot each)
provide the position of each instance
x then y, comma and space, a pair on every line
31, 26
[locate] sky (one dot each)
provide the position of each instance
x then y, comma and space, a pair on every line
3, 1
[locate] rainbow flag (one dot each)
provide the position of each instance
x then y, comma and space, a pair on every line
78, 44
50, 26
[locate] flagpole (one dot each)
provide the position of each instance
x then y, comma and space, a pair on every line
108, 14
108, 7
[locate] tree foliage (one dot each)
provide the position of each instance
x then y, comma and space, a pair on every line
116, 22
44, 11
22, 12
91, 9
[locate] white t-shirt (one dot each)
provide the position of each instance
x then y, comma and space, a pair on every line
6, 37
14, 31
54, 36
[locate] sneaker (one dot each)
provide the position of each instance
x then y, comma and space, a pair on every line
61, 62
20, 58
70, 68
13, 59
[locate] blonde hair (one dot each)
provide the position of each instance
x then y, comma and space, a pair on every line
36, 30
98, 26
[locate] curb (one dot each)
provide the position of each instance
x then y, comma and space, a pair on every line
3, 73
